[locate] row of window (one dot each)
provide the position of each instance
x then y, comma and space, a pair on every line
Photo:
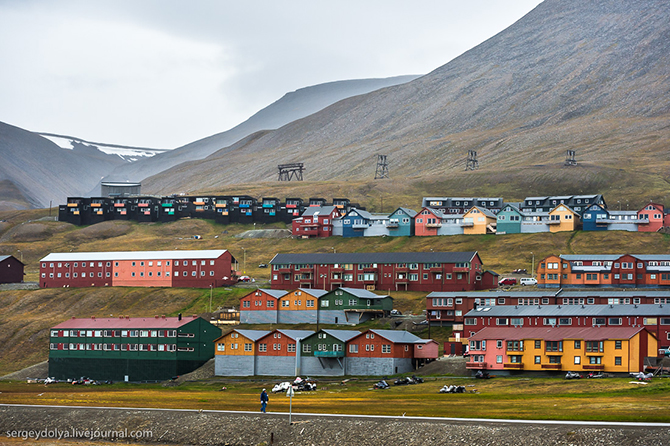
607, 264
134, 263
516, 359
119, 347
132, 274
350, 266
606, 276
552, 321
549, 346
118, 334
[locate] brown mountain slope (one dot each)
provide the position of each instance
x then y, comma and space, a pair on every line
589, 75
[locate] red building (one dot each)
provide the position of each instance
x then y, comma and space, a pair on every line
411, 271
316, 221
193, 269
276, 352
11, 270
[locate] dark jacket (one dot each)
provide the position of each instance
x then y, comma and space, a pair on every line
264, 397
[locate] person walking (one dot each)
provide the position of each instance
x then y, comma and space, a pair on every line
264, 400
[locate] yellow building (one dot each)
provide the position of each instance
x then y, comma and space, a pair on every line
562, 218
546, 349
302, 299
235, 352
479, 221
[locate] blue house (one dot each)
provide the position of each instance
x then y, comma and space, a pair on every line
360, 223
401, 222
593, 218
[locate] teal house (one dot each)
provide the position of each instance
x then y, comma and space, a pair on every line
508, 220
324, 352
401, 223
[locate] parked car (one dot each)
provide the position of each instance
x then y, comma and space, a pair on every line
520, 271
244, 279
528, 281
263, 265
573, 375
507, 281
396, 313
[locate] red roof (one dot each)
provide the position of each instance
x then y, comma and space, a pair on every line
556, 333
119, 323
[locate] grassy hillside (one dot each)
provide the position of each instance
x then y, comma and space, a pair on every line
27, 315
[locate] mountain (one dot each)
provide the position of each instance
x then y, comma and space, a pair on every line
587, 75
292, 106
35, 171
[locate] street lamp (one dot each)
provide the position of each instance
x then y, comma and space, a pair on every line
334, 250
532, 268
244, 261
211, 288
21, 253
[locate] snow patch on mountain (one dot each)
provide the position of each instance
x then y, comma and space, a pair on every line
129, 154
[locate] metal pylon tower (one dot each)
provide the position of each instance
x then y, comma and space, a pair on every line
382, 167
570, 158
471, 163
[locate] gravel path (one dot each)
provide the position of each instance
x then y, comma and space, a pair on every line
191, 427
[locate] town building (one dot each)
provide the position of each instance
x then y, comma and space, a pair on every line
604, 271
352, 306
195, 269
11, 269
459, 205
323, 352
655, 318
315, 222
411, 271
479, 221
260, 306
235, 353
130, 349
386, 352
401, 223
276, 352
578, 203
561, 349
361, 223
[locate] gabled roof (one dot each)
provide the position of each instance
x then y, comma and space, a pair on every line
564, 205
3, 258
319, 210
253, 335
399, 336
342, 335
587, 257
412, 213
119, 323
556, 333
439, 213
365, 214
313, 292
274, 293
361, 293
295, 334
134, 255
482, 210
375, 257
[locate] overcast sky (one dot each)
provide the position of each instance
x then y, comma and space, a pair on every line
164, 73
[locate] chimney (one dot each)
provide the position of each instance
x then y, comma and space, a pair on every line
179, 317
156, 317
163, 316
93, 317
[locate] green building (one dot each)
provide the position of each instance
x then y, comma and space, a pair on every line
352, 306
323, 353
130, 349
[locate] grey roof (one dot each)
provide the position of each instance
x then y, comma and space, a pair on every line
254, 335
571, 310
318, 210
374, 257
592, 268
571, 257
274, 293
314, 291
551, 293
361, 212
399, 336
362, 293
412, 213
342, 335
522, 294
3, 258
295, 334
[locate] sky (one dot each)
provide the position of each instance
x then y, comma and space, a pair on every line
164, 73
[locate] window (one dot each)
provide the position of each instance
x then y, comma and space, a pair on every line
615, 321
353, 348
553, 346
386, 348
538, 344
499, 344
617, 360
499, 359
554, 360
538, 359
594, 346
578, 360
578, 345
595, 360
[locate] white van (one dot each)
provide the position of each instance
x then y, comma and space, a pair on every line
528, 281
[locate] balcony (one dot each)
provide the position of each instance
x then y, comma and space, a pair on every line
433, 225
359, 226
165, 205
95, 205
401, 280
461, 269
142, 205
467, 223
515, 365
339, 354
551, 222
220, 205
72, 205
552, 366
118, 205
593, 366
475, 365
309, 230
268, 205
392, 225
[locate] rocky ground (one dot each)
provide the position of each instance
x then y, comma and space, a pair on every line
209, 428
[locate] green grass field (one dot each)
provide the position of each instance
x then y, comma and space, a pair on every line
611, 399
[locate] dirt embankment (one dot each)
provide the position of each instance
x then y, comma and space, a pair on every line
194, 427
